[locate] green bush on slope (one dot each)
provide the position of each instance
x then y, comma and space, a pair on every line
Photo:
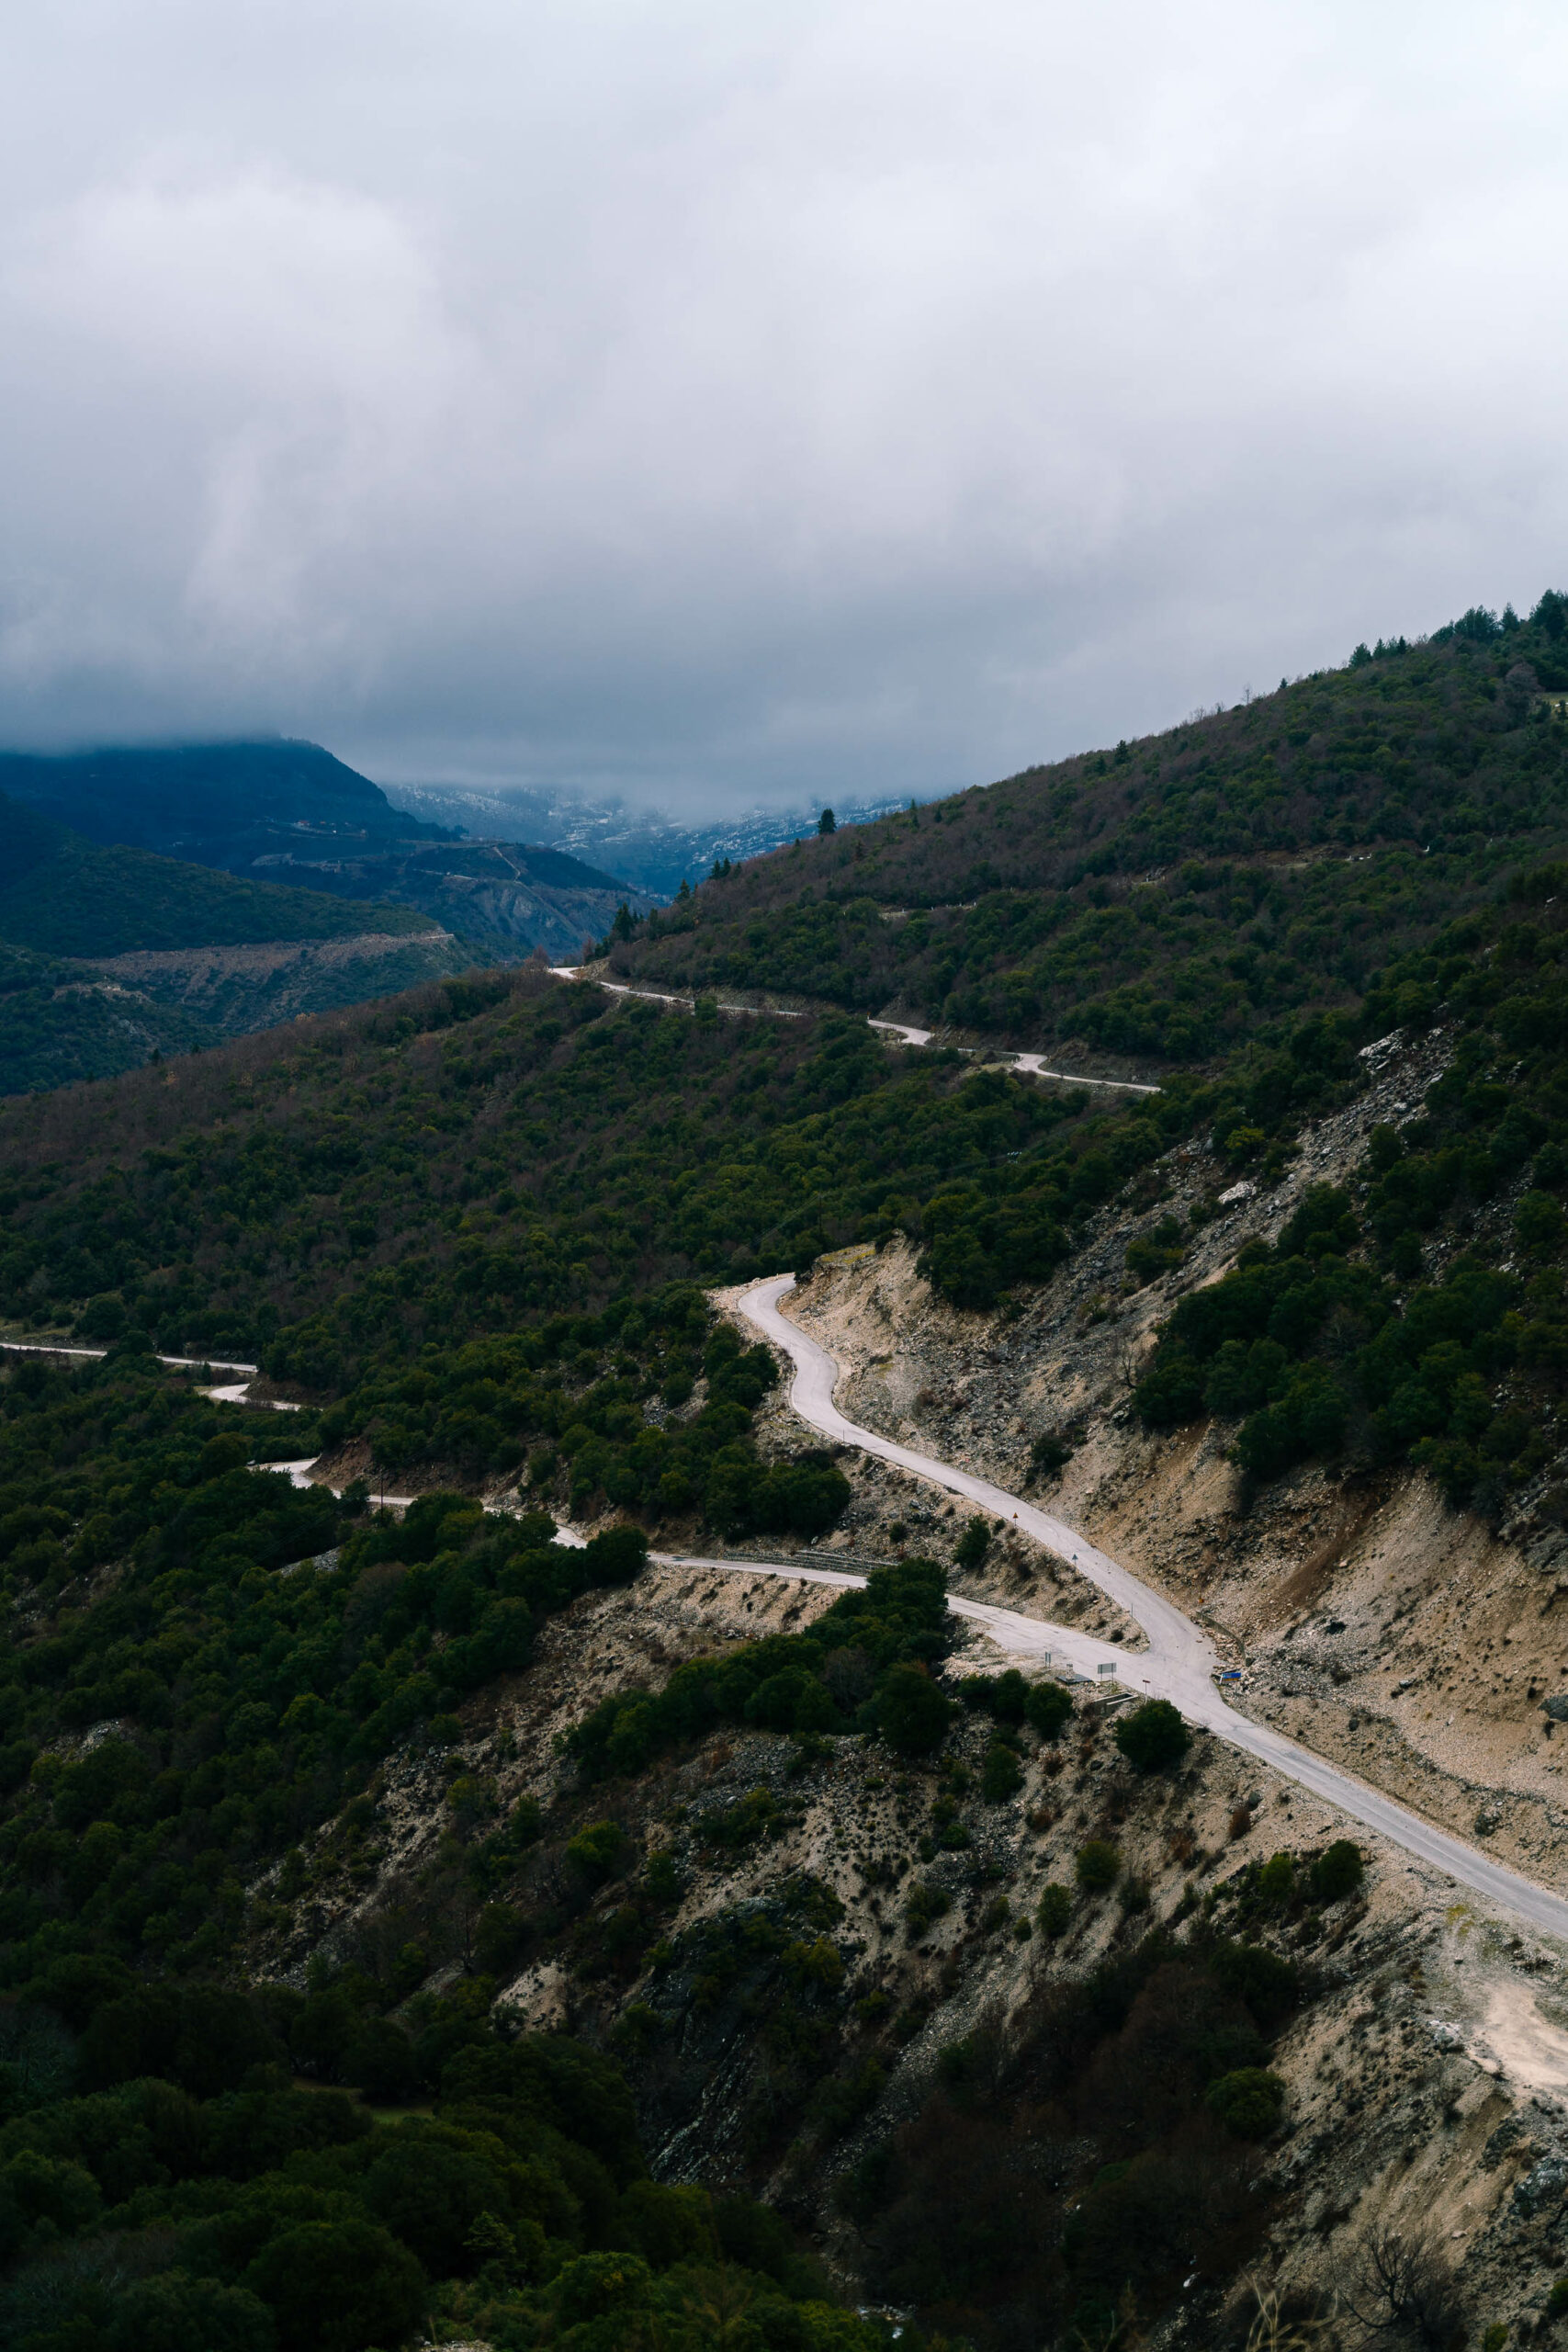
882, 1635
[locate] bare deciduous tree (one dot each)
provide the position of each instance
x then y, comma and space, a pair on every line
1403, 2286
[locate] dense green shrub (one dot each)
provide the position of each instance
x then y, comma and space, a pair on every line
1277, 1878
924, 1905
1001, 1776
338, 2286
1050, 1453
597, 1849
1048, 1708
1151, 1736
1248, 2102
912, 1713
1054, 1910
1098, 1866
1157, 1251
1336, 1871
1004, 1697
1270, 1985
973, 1544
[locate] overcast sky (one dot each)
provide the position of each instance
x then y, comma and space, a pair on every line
719, 401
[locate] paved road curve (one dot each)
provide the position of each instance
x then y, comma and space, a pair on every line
1179, 1663
907, 1034
97, 1355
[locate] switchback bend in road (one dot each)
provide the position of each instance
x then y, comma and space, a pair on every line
1179, 1663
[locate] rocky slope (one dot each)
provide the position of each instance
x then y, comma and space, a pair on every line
1427, 2075
501, 899
1410, 1642
892, 1913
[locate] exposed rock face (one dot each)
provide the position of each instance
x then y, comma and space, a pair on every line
498, 896
1411, 1644
1427, 2073
1426, 2070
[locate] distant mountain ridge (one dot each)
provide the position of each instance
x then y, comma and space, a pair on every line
62, 895
652, 852
291, 813
214, 804
109, 954
153, 900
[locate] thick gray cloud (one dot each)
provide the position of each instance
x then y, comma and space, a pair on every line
702, 400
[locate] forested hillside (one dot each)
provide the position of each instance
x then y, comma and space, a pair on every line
59, 1024
470, 1231
65, 895
503, 1148
216, 804
1170, 899
70, 908
500, 898
499, 1150
280, 813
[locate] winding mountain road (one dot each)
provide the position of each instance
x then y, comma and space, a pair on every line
905, 1033
1180, 1662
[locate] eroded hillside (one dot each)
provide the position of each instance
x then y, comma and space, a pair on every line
1412, 1643
814, 1957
